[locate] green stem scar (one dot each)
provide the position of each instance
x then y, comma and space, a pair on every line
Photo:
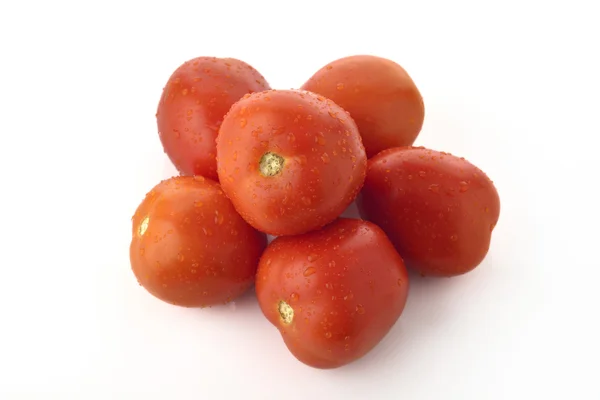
143, 226
270, 164
286, 312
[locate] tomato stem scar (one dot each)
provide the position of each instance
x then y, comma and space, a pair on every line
286, 312
143, 226
270, 164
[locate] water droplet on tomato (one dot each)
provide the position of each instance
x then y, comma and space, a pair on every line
360, 309
454, 237
309, 271
294, 297
312, 257
435, 188
328, 335
320, 139
243, 122
325, 158
464, 186
340, 86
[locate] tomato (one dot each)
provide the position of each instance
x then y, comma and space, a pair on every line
192, 106
380, 96
189, 247
333, 293
439, 210
289, 160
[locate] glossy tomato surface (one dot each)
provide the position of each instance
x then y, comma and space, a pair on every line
439, 210
333, 293
192, 106
290, 161
189, 247
379, 95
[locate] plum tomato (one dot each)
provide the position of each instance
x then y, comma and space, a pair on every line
189, 246
439, 210
290, 161
380, 96
192, 106
335, 293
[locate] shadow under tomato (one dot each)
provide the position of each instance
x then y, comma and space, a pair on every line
245, 303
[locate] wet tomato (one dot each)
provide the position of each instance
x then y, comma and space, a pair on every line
290, 161
191, 109
189, 247
334, 293
439, 210
380, 96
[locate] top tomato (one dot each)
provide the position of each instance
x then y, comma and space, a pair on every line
290, 161
192, 106
380, 96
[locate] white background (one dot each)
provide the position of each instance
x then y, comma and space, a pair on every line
510, 85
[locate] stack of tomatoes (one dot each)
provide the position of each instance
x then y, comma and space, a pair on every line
255, 161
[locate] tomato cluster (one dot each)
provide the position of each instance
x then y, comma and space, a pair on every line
255, 161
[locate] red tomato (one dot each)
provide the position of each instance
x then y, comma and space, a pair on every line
189, 247
379, 95
197, 96
333, 293
290, 161
438, 210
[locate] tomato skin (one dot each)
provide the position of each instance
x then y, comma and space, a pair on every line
380, 96
324, 161
347, 286
192, 105
189, 247
439, 210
